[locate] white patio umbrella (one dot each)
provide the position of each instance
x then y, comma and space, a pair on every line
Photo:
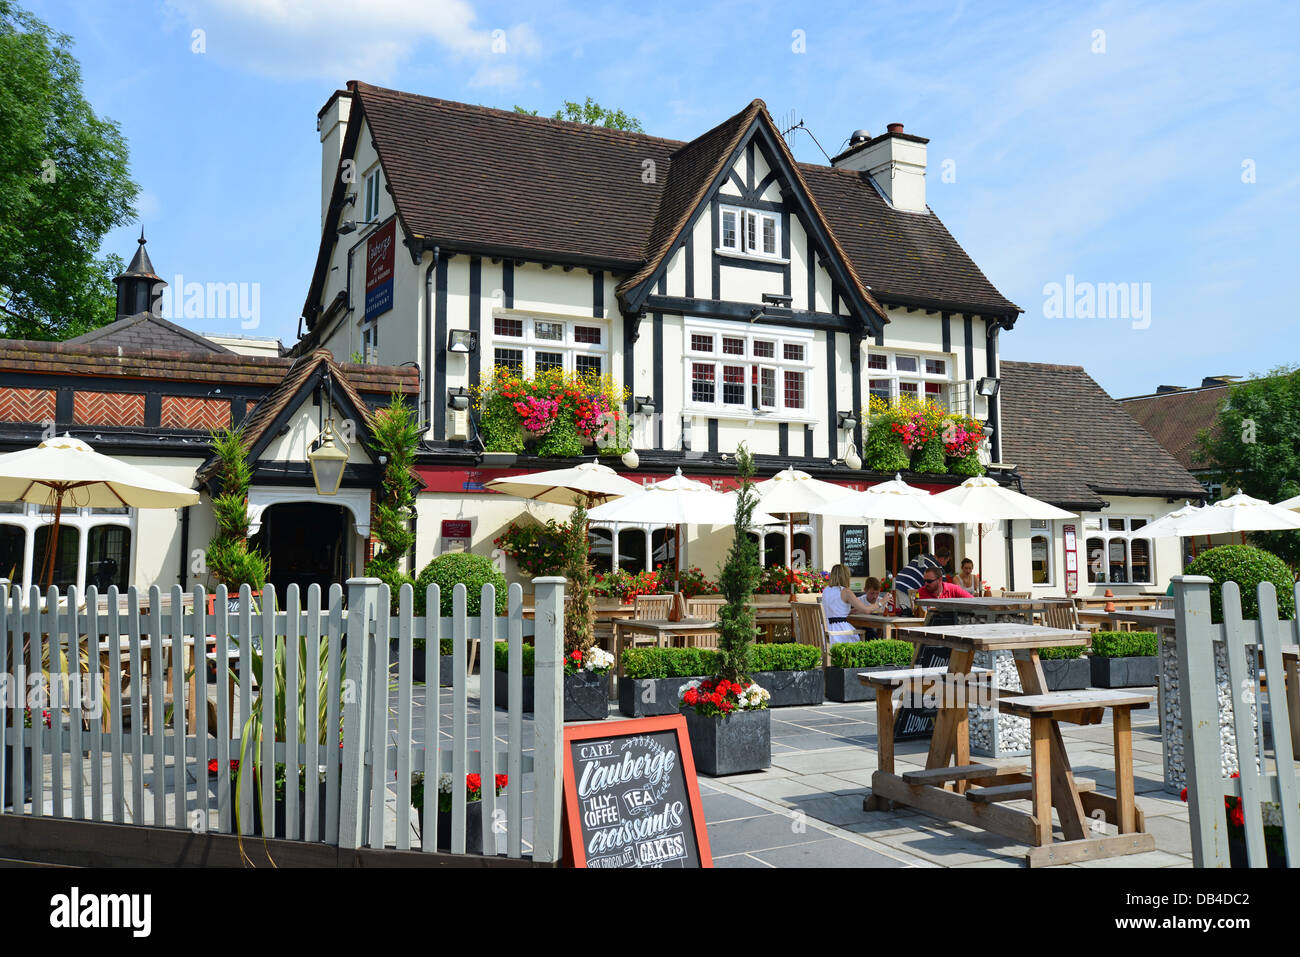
791, 492
1239, 513
1291, 503
65, 470
994, 503
897, 501
591, 481
676, 501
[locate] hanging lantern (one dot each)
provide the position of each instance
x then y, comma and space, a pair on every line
327, 462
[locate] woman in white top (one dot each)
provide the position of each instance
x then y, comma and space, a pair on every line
838, 602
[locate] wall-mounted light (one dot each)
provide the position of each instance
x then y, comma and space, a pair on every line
644, 404
462, 341
852, 459
988, 386
847, 420
458, 398
350, 225
631, 459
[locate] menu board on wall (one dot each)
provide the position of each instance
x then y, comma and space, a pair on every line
853, 549
631, 798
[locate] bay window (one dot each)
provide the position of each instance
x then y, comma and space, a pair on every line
1116, 550
730, 368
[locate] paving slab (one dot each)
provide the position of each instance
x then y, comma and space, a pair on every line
826, 853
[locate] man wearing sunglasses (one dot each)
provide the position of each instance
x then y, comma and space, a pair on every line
933, 586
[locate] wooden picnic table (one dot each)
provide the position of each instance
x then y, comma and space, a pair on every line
1127, 602
986, 608
977, 790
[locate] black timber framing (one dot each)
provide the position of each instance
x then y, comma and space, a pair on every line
744, 311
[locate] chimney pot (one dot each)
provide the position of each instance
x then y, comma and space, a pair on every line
895, 127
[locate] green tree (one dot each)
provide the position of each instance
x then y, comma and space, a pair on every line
397, 437
579, 630
64, 183
593, 114
1255, 446
738, 579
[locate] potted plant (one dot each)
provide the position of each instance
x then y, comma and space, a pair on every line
473, 808
791, 673
1248, 566
1065, 668
727, 716
501, 676
281, 803
1275, 849
586, 684
654, 678
444, 661
1124, 659
851, 658
27, 762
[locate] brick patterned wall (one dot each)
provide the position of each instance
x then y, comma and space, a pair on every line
182, 412
107, 408
26, 405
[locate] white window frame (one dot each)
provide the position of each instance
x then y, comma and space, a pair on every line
373, 187
947, 382
743, 245
752, 405
1042, 528
1096, 525
760, 535
531, 344
29, 518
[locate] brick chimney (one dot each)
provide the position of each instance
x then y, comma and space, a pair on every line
895, 160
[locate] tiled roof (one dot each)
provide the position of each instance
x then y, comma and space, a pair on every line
473, 178
147, 331
96, 359
1174, 419
268, 410
1073, 444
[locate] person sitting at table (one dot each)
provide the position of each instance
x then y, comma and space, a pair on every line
966, 579
838, 602
935, 587
871, 596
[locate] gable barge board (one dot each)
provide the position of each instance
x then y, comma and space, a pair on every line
742, 311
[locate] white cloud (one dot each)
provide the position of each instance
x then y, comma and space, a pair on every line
349, 39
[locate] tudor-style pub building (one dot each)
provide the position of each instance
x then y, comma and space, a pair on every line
737, 294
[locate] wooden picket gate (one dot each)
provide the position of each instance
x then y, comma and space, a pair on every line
326, 667
1198, 688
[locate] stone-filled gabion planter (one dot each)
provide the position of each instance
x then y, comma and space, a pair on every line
1171, 716
740, 742
648, 697
993, 734
792, 688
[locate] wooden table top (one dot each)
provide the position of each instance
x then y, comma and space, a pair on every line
997, 636
986, 604
876, 619
664, 626
1093, 602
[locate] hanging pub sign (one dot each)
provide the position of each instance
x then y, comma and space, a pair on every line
853, 549
381, 261
630, 796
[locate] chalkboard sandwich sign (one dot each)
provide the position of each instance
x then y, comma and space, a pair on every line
631, 798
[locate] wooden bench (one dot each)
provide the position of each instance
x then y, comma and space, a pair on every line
1080, 707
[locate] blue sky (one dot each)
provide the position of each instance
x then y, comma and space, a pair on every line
1119, 156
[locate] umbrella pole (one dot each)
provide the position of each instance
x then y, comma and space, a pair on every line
789, 549
981, 550
895, 564
52, 544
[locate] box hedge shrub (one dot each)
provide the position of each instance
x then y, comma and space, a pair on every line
502, 657
871, 654
447, 571
668, 662
1248, 567
1061, 652
1123, 644
784, 656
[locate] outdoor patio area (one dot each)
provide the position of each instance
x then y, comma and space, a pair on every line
806, 810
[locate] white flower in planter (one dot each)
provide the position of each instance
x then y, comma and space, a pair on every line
598, 659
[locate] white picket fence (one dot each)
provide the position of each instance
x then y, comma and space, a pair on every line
103, 768
1261, 779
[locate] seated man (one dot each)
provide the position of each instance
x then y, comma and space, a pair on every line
935, 587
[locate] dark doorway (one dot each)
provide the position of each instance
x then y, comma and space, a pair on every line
305, 543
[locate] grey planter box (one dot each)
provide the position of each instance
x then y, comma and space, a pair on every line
648, 697
843, 684
1124, 672
735, 744
1067, 674
586, 696
791, 689
502, 688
